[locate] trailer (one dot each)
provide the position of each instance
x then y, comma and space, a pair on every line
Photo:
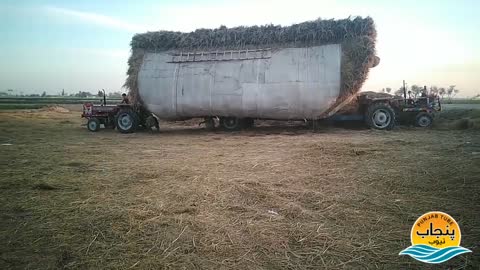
242, 73
376, 112
306, 71
239, 86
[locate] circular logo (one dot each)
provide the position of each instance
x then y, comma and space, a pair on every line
435, 238
436, 229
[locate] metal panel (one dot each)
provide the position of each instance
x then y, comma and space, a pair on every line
293, 83
193, 90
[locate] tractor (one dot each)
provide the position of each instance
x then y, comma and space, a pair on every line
126, 118
383, 111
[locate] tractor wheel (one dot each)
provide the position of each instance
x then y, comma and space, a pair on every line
231, 123
126, 121
423, 120
380, 116
209, 123
93, 124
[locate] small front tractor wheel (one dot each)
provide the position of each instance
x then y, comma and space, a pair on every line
230, 123
380, 116
126, 121
423, 120
93, 124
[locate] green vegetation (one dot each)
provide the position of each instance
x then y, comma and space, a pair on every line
14, 106
461, 101
14, 102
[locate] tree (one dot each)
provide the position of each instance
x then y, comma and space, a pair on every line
63, 92
44, 94
100, 93
8, 93
115, 94
416, 90
434, 90
442, 91
83, 94
451, 91
399, 92
388, 89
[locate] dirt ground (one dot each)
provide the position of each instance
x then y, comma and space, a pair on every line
268, 198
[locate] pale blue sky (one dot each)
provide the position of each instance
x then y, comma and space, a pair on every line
84, 45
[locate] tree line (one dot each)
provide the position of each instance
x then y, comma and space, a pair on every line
81, 94
416, 91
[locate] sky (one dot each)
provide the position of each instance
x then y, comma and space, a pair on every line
84, 45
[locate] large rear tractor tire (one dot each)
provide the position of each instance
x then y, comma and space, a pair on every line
126, 121
93, 124
380, 116
231, 123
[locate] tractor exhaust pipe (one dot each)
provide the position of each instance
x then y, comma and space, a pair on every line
104, 97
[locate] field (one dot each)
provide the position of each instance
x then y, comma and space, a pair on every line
16, 103
269, 198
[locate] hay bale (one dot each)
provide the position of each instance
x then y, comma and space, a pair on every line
58, 109
357, 37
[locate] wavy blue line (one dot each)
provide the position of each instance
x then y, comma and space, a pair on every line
423, 246
449, 255
439, 253
429, 254
418, 249
414, 253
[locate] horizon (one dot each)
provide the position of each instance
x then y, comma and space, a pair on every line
84, 46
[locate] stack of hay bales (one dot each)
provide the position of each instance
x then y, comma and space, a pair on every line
357, 37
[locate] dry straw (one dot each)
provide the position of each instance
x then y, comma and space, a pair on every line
356, 35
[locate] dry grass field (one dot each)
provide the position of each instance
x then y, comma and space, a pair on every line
267, 198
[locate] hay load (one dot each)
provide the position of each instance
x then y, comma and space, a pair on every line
355, 38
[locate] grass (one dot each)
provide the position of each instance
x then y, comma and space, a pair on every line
458, 119
460, 101
53, 100
21, 106
273, 197
21, 103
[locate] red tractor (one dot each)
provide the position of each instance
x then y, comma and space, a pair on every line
125, 117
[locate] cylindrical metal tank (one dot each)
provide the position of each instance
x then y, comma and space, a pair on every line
282, 83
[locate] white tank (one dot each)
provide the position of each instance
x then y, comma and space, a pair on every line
283, 83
